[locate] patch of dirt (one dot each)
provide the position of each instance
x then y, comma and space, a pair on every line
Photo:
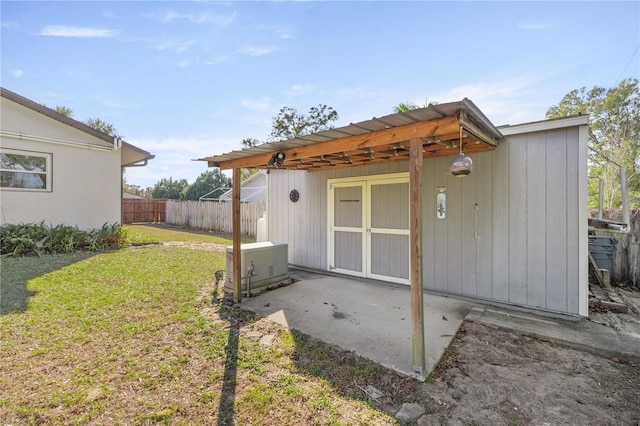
493, 376
626, 322
196, 245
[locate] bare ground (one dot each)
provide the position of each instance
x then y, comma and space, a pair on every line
494, 376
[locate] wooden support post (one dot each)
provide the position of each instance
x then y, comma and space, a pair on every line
415, 237
235, 224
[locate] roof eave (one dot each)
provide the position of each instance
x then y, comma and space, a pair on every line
141, 156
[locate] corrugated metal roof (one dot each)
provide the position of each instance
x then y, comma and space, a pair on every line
430, 113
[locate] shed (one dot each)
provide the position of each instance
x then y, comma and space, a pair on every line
376, 200
57, 170
254, 189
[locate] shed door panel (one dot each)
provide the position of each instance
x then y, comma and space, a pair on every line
347, 228
369, 228
388, 230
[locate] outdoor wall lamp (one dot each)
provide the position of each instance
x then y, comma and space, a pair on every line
461, 165
277, 159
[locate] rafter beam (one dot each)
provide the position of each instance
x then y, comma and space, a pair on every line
475, 130
393, 135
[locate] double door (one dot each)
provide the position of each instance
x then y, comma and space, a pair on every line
369, 227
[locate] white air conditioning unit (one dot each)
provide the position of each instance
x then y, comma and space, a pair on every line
263, 265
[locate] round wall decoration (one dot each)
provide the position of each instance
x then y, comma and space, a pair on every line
294, 195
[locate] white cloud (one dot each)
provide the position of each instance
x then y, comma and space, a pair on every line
17, 73
176, 150
284, 33
359, 92
76, 74
111, 103
261, 104
199, 18
81, 32
109, 14
175, 45
183, 63
261, 121
174, 158
59, 97
299, 89
502, 101
531, 25
257, 50
11, 25
216, 60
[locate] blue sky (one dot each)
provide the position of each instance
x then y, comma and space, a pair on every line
185, 80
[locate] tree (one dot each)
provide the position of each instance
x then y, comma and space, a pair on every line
96, 123
614, 137
205, 183
64, 110
169, 188
408, 106
289, 124
102, 126
61, 110
136, 189
249, 143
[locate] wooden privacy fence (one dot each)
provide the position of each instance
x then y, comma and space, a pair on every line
626, 255
135, 210
213, 216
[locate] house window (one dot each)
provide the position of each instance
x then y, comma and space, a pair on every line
25, 170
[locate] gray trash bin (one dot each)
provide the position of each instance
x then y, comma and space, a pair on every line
601, 249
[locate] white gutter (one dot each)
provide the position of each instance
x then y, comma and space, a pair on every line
36, 138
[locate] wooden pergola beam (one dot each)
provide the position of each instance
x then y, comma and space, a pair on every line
475, 130
444, 125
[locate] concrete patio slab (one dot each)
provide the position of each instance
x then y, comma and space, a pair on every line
369, 318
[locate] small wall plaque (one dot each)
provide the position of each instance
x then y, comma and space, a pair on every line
441, 202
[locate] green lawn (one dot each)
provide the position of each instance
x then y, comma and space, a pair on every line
132, 337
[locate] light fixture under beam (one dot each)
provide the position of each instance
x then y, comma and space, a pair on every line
461, 165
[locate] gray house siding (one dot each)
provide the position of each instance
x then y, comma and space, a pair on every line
527, 250
515, 229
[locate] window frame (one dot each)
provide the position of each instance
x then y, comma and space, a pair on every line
26, 153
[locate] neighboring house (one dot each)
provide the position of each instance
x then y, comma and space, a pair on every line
513, 232
57, 170
130, 196
254, 189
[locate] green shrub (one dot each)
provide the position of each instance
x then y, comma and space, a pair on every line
38, 239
